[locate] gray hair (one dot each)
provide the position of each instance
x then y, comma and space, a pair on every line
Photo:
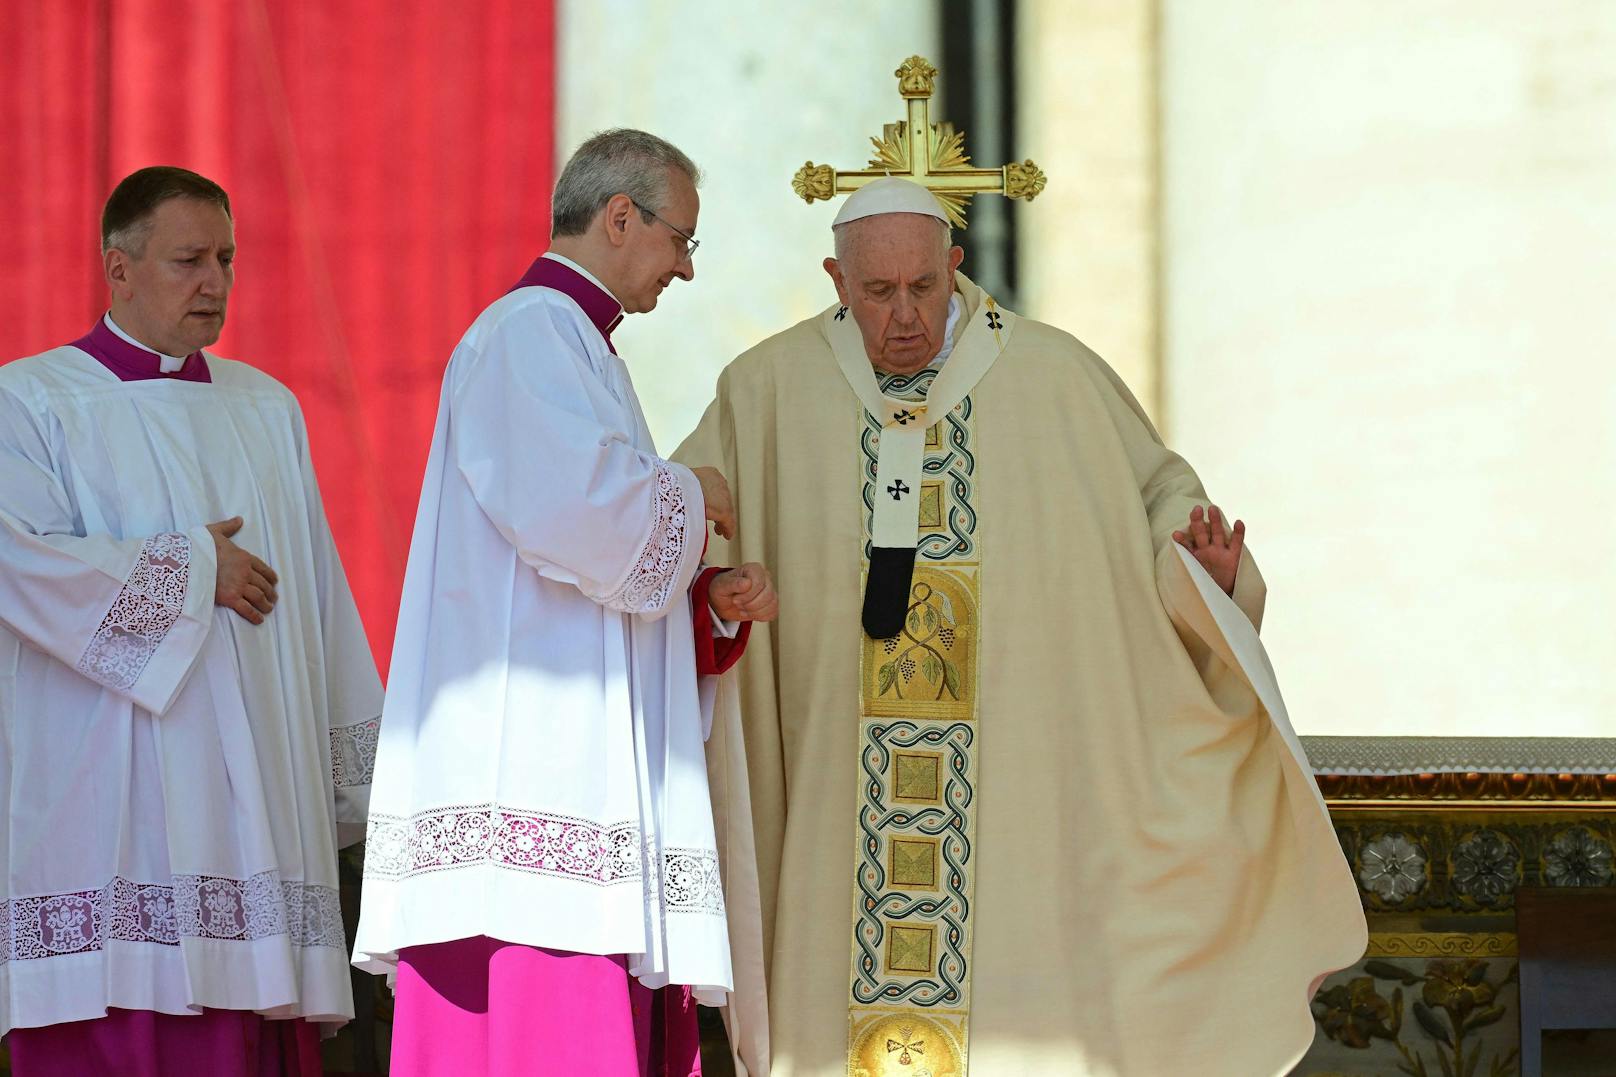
619, 161
843, 235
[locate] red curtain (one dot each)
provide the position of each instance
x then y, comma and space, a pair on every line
389, 166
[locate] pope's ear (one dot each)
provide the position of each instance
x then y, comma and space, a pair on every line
956, 255
834, 269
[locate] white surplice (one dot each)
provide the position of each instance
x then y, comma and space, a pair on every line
173, 776
540, 777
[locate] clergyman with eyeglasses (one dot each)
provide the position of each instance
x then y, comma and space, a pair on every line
541, 873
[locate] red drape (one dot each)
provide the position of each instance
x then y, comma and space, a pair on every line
389, 166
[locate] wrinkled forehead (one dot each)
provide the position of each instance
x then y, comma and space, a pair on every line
908, 244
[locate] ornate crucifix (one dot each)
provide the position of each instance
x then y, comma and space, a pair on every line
931, 154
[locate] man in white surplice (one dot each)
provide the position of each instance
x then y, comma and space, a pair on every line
541, 852
185, 727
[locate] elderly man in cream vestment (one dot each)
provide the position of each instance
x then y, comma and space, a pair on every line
1010, 789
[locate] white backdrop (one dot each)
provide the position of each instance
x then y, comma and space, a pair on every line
1389, 313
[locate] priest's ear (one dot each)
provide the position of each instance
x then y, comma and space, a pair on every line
115, 263
618, 211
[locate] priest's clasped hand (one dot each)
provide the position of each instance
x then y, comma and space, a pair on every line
1216, 548
244, 583
715, 493
744, 594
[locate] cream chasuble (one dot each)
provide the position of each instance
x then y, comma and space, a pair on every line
1058, 823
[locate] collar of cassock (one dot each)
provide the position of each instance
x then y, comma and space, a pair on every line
901, 446
551, 270
132, 361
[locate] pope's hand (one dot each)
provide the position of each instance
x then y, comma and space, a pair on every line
1216, 549
744, 594
244, 583
715, 493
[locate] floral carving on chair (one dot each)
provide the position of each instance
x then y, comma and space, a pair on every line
1577, 857
1392, 868
1486, 867
1354, 1013
1456, 1000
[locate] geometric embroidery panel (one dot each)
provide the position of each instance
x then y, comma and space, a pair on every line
909, 948
917, 777
912, 863
913, 870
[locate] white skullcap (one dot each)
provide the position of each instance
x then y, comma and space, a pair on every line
890, 194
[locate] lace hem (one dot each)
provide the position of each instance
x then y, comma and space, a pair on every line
353, 753
194, 907
146, 608
691, 881
562, 846
650, 582
456, 837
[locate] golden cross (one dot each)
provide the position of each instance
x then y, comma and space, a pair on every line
931, 154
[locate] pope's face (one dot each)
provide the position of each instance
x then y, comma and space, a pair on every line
172, 297
897, 277
655, 252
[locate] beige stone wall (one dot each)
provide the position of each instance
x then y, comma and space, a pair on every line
750, 91
1086, 80
1389, 235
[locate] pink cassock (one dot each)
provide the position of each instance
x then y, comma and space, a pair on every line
484, 1008
141, 1043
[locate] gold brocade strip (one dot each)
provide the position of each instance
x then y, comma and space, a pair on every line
914, 862
1441, 944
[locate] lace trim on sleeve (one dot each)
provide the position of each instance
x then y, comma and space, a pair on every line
650, 582
146, 608
353, 753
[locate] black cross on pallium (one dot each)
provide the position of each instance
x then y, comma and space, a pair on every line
994, 321
902, 417
897, 490
841, 312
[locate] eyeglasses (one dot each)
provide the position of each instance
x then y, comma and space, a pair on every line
691, 242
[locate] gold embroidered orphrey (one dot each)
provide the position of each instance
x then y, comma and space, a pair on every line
914, 865
931, 154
